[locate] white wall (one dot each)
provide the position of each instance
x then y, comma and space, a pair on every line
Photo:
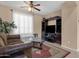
54, 13
69, 25
37, 25
77, 25
5, 13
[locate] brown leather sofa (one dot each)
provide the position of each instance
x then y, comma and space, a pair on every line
11, 44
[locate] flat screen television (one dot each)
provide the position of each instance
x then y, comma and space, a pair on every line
50, 29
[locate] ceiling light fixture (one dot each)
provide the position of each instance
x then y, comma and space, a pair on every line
29, 8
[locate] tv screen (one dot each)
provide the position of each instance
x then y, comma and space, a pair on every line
50, 29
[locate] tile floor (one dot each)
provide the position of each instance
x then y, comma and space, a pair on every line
73, 54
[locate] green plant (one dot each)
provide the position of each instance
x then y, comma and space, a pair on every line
6, 26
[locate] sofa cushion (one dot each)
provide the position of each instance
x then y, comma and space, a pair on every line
14, 41
1, 42
4, 37
13, 36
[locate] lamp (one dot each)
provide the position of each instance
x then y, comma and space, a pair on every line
29, 8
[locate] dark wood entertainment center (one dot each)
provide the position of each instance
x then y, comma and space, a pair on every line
52, 33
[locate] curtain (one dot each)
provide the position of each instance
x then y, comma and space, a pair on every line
23, 21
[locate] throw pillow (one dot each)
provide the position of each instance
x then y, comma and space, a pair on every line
2, 44
4, 37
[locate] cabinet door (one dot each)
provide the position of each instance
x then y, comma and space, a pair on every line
58, 25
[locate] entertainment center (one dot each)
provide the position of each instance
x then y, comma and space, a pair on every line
51, 29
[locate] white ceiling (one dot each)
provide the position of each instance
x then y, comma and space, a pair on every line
45, 6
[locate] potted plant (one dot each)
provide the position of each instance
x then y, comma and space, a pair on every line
6, 26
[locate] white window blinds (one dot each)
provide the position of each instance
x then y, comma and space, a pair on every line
23, 21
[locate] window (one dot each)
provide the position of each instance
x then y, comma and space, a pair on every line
23, 21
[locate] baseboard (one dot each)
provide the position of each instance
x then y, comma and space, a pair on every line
68, 48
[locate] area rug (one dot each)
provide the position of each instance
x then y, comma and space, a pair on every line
47, 51
50, 52
41, 53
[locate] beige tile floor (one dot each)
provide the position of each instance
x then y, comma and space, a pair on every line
73, 54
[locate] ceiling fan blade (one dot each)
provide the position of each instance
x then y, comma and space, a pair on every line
31, 5
37, 5
36, 8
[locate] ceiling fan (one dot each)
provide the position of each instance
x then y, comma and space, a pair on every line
31, 6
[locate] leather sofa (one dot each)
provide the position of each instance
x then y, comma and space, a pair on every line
10, 44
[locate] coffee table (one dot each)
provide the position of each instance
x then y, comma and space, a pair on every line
37, 43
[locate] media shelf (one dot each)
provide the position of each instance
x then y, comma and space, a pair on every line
52, 33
